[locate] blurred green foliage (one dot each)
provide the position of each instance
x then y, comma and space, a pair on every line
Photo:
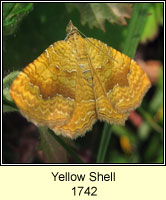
153, 21
13, 14
25, 38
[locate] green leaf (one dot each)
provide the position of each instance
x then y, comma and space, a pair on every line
144, 131
95, 14
157, 100
13, 14
135, 28
151, 150
105, 139
8, 104
66, 146
150, 120
153, 22
8, 108
52, 150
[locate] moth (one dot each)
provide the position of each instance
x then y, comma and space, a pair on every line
76, 82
